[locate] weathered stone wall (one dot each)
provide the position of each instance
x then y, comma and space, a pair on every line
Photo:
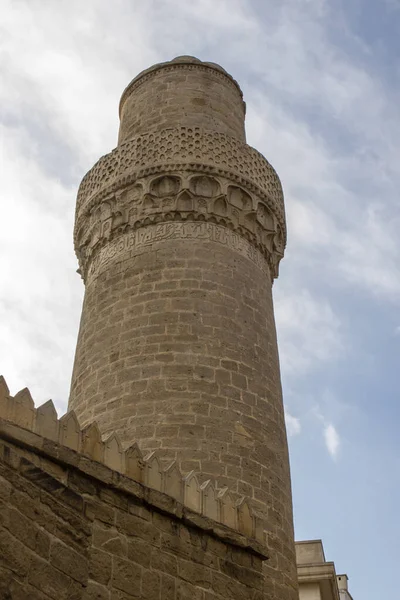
72, 529
188, 328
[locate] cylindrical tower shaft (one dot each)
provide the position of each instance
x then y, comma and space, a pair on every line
179, 232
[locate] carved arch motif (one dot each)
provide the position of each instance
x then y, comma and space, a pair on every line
239, 198
166, 185
205, 186
265, 217
180, 196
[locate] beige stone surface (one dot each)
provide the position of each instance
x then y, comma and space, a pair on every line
316, 576
219, 504
66, 534
182, 87
309, 552
310, 591
179, 232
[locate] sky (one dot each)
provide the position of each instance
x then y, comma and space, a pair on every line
321, 80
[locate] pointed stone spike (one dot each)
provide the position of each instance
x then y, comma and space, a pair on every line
134, 463
153, 472
113, 454
46, 421
69, 431
228, 509
4, 391
24, 396
23, 409
192, 496
209, 501
173, 482
134, 450
5, 406
245, 519
92, 445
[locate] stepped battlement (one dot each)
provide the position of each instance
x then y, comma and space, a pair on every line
208, 499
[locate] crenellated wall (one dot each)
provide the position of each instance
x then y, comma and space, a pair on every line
76, 530
80, 519
207, 498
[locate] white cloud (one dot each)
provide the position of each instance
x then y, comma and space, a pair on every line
331, 435
64, 66
332, 131
309, 332
341, 210
332, 440
293, 425
69, 67
41, 291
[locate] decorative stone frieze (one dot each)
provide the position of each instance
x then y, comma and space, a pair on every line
231, 219
234, 185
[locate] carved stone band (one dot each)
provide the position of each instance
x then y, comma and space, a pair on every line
179, 196
131, 244
183, 149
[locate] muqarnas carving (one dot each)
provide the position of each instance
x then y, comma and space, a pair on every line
180, 196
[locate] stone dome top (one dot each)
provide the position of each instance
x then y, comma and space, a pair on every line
178, 60
185, 58
193, 60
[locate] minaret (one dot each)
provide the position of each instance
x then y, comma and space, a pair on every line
179, 232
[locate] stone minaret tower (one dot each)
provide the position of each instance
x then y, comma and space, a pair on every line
179, 233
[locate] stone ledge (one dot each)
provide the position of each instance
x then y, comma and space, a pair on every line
111, 479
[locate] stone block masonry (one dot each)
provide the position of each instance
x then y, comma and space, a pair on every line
221, 505
73, 529
179, 232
